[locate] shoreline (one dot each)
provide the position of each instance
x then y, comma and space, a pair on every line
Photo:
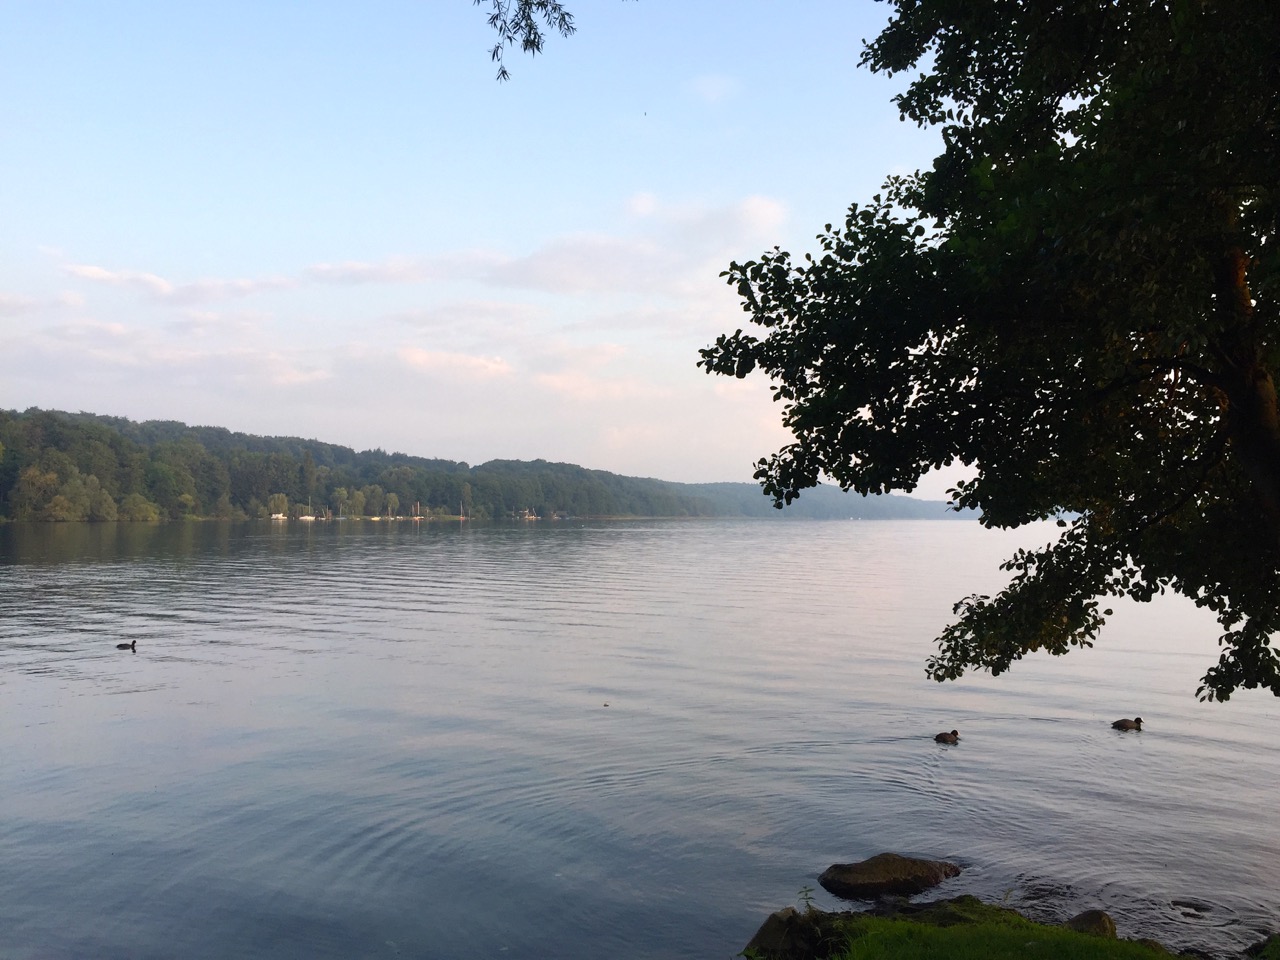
959, 928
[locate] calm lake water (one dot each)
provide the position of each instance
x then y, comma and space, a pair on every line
620, 740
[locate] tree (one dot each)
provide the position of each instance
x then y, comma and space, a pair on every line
355, 505
307, 474
136, 507
223, 509
32, 494
516, 22
171, 486
374, 499
1078, 300
72, 499
338, 499
102, 506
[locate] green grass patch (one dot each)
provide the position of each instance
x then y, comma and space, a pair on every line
873, 938
962, 928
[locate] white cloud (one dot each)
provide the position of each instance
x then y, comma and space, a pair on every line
581, 387
285, 371
406, 269
673, 250
207, 323
394, 270
11, 306
204, 291
494, 316
86, 330
456, 364
752, 220
589, 263
762, 214
676, 249
642, 205
199, 291
157, 286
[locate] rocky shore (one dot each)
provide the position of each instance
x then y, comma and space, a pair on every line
887, 880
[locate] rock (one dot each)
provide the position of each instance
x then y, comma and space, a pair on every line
790, 935
1095, 922
1260, 949
885, 873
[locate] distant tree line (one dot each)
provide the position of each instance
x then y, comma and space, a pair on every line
64, 466
57, 466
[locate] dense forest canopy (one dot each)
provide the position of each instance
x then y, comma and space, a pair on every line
58, 466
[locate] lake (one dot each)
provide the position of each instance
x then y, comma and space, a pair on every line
582, 740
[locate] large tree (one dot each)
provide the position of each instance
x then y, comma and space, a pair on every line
1078, 301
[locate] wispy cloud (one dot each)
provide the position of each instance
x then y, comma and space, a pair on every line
149, 282
665, 249
596, 263
288, 372
207, 323
473, 315
199, 291
11, 306
583, 387
405, 269
88, 331
394, 270
461, 365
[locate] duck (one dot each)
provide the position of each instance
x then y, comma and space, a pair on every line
1134, 724
952, 737
133, 645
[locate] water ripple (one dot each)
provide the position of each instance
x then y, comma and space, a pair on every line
376, 740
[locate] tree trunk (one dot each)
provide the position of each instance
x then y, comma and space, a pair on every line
1253, 413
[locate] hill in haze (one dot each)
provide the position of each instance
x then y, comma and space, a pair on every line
83, 466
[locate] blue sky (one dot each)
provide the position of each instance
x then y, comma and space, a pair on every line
329, 220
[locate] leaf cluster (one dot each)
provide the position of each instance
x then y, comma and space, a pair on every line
522, 23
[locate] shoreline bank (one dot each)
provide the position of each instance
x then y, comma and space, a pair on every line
959, 928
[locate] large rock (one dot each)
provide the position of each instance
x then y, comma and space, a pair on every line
789, 934
1260, 949
885, 873
1096, 922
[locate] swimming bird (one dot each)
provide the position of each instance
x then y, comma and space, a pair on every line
128, 646
1134, 724
952, 737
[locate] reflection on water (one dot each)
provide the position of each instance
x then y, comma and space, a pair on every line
634, 740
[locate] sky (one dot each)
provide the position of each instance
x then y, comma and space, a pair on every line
329, 220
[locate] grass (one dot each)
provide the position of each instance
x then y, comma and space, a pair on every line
963, 928
873, 938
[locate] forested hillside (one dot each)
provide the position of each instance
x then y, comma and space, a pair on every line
64, 466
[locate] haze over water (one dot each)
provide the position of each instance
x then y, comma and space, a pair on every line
581, 740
